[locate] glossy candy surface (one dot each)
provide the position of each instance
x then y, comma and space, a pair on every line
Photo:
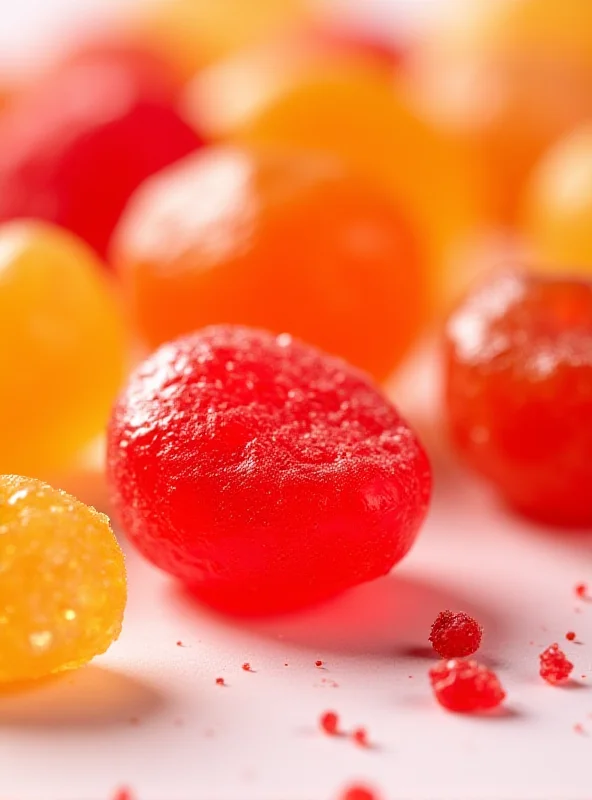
519, 392
261, 472
285, 240
63, 588
558, 206
63, 347
555, 666
466, 686
74, 149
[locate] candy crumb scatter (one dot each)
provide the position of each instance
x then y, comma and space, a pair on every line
247, 667
359, 793
360, 737
220, 682
455, 635
570, 636
329, 722
581, 591
330, 682
466, 686
555, 666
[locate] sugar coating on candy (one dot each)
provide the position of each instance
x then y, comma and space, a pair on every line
555, 666
63, 588
261, 472
358, 792
455, 635
518, 376
466, 686
329, 722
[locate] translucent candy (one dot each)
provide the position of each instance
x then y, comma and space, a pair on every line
62, 581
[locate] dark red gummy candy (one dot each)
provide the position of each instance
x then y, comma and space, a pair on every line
73, 150
555, 666
519, 391
261, 472
466, 686
455, 635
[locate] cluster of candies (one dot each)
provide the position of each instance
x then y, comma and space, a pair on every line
276, 206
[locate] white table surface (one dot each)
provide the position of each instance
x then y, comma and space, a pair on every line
149, 715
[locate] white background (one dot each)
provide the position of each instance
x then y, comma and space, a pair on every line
148, 715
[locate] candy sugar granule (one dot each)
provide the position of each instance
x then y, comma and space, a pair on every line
329, 722
518, 391
455, 635
466, 686
63, 588
555, 666
261, 472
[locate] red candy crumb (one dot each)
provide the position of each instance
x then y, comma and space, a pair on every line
247, 666
180, 644
455, 635
517, 392
269, 457
329, 722
359, 793
570, 636
123, 794
318, 663
466, 686
220, 682
555, 666
581, 591
579, 728
360, 737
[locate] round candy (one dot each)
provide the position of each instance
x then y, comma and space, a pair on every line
519, 391
73, 151
261, 472
455, 635
62, 355
508, 77
63, 588
558, 206
285, 240
367, 121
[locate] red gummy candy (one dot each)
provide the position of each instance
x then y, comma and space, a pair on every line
455, 635
555, 666
519, 394
466, 686
261, 472
73, 151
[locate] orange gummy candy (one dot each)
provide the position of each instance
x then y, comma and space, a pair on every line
287, 241
61, 359
63, 588
351, 112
